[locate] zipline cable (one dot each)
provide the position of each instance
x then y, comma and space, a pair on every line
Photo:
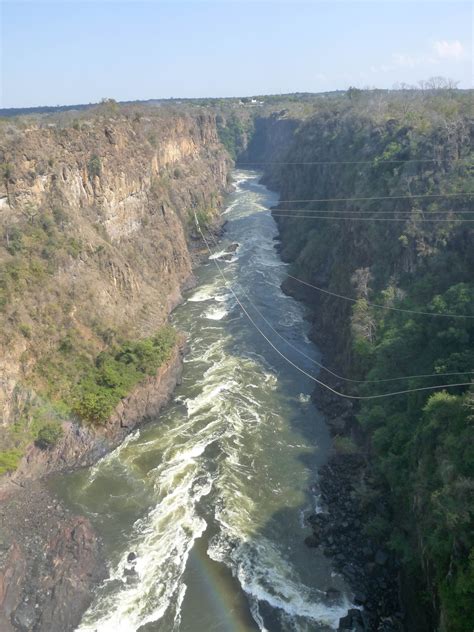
384, 197
325, 368
298, 368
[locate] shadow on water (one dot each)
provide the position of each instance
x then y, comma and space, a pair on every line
213, 496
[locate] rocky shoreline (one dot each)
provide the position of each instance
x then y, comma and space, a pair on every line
50, 561
341, 528
369, 570
50, 558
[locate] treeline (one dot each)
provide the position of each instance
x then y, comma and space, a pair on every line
395, 147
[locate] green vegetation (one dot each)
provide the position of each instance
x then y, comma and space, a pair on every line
92, 387
72, 383
344, 445
94, 166
115, 373
204, 217
233, 131
48, 435
9, 460
421, 444
6, 172
38, 424
35, 248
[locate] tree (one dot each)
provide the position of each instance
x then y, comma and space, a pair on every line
354, 93
7, 176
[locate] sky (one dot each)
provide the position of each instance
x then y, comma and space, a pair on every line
70, 52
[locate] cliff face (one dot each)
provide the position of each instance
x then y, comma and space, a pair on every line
271, 138
345, 151
96, 235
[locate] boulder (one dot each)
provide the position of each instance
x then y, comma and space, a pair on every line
312, 541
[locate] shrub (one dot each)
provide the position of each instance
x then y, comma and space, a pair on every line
344, 445
49, 435
9, 460
25, 330
116, 372
60, 217
94, 166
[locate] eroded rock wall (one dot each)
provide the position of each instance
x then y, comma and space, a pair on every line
96, 233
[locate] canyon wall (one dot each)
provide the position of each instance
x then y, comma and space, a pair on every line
96, 244
401, 167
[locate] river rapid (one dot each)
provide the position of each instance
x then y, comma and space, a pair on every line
212, 496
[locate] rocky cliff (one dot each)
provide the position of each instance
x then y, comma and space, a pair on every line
96, 245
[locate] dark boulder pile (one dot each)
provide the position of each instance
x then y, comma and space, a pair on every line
368, 568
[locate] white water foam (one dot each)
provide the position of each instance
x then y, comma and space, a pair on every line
163, 539
304, 398
206, 293
216, 313
266, 576
162, 542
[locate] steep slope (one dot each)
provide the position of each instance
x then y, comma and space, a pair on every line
96, 245
418, 489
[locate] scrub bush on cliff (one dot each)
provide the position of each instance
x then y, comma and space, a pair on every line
49, 435
116, 373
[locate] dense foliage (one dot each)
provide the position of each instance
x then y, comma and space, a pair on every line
421, 444
233, 131
116, 372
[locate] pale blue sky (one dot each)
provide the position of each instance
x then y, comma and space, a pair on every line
78, 52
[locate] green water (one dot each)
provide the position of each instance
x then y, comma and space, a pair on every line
212, 495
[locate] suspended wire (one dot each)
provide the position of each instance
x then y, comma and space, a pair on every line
298, 368
356, 162
383, 197
394, 309
373, 219
366, 211
325, 368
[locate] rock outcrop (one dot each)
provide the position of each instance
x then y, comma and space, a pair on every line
50, 560
82, 445
96, 245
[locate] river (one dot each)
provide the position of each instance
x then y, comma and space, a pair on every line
212, 496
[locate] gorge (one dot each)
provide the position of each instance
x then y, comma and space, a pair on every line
101, 217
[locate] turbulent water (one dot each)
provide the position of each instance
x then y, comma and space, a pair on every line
212, 497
